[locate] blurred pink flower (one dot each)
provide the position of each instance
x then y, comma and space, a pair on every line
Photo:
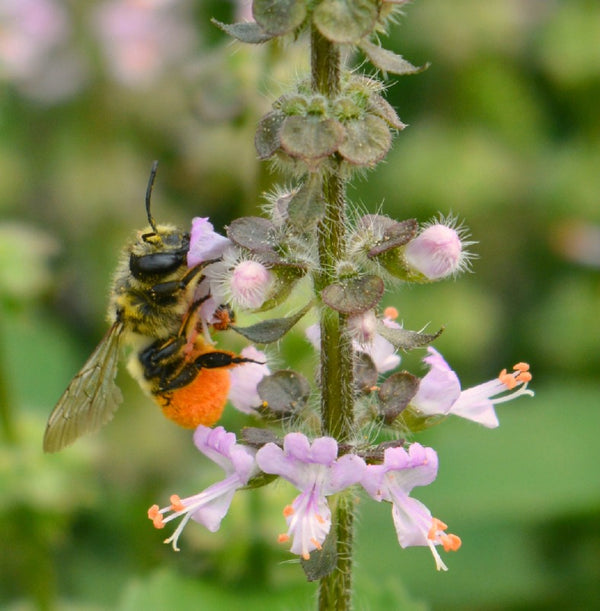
29, 30
142, 38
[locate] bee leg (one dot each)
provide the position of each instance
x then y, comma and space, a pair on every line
161, 357
165, 292
209, 360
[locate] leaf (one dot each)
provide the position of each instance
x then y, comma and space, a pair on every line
367, 141
306, 207
284, 392
345, 20
247, 31
388, 61
310, 137
323, 561
395, 235
279, 16
396, 393
406, 339
257, 437
354, 295
285, 277
256, 234
382, 108
266, 139
272, 330
365, 373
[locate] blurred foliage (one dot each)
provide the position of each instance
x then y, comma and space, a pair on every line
504, 134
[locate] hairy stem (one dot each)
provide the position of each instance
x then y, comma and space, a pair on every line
335, 591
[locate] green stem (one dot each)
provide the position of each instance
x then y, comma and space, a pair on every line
335, 590
337, 398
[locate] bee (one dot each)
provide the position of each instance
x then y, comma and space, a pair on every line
154, 307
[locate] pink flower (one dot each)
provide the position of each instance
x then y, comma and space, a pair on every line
210, 506
205, 242
142, 38
245, 378
29, 31
393, 481
380, 350
440, 393
317, 472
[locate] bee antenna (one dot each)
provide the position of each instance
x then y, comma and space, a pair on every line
149, 195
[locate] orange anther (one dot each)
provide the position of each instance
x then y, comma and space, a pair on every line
450, 542
320, 518
306, 556
316, 543
153, 512
176, 504
282, 538
288, 510
391, 312
158, 522
521, 367
508, 379
524, 377
436, 526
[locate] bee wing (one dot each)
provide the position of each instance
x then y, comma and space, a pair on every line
91, 398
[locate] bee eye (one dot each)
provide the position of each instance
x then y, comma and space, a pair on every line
155, 264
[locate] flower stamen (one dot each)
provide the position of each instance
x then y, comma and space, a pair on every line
155, 515
391, 312
288, 510
176, 504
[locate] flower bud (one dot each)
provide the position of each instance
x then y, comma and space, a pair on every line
243, 282
249, 283
436, 252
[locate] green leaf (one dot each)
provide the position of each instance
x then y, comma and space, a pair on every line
256, 234
367, 141
354, 295
388, 61
395, 394
394, 235
279, 16
365, 373
406, 339
382, 108
345, 21
285, 277
284, 392
256, 437
306, 206
266, 139
247, 31
272, 330
323, 561
310, 137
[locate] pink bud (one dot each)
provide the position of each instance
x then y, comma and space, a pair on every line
250, 282
436, 252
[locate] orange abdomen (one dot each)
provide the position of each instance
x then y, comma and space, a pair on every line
200, 402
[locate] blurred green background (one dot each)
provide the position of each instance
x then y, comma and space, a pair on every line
504, 133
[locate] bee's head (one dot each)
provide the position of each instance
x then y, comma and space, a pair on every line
158, 250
